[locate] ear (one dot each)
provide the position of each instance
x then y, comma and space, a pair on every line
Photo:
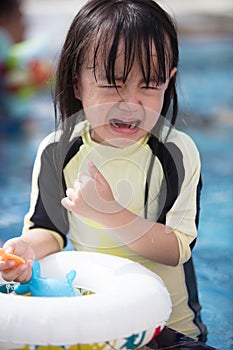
76, 88
171, 75
173, 72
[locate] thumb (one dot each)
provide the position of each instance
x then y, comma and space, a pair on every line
15, 246
9, 246
95, 173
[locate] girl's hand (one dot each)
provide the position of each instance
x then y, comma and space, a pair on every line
91, 196
9, 269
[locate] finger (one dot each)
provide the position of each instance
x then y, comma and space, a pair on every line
12, 273
9, 247
71, 194
8, 256
26, 272
95, 173
77, 185
7, 265
67, 203
19, 274
83, 178
14, 246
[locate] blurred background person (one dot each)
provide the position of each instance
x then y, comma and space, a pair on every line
22, 72
12, 31
12, 25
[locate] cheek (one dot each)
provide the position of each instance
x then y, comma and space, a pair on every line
87, 97
97, 113
151, 119
153, 109
85, 92
159, 106
154, 104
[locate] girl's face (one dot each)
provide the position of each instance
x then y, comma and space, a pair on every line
120, 116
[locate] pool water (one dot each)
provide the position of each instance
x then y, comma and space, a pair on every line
207, 73
213, 254
206, 93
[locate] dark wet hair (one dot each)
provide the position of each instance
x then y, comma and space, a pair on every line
7, 7
101, 24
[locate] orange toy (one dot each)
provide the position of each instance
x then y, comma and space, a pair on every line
6, 256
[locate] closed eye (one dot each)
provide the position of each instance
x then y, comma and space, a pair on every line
110, 87
153, 85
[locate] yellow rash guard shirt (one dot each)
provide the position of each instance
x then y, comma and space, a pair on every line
126, 170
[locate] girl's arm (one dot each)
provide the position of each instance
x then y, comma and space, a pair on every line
152, 240
92, 197
41, 241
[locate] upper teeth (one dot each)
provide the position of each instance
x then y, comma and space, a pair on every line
114, 124
132, 125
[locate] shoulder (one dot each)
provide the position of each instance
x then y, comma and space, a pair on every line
183, 142
48, 142
53, 139
178, 137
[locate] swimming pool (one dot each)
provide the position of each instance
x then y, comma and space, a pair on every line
213, 254
202, 94
207, 86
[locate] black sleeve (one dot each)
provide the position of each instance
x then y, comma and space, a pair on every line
48, 212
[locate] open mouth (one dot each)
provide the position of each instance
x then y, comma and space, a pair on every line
122, 124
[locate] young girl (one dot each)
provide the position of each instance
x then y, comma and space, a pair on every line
116, 175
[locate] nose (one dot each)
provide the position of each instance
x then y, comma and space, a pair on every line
129, 102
